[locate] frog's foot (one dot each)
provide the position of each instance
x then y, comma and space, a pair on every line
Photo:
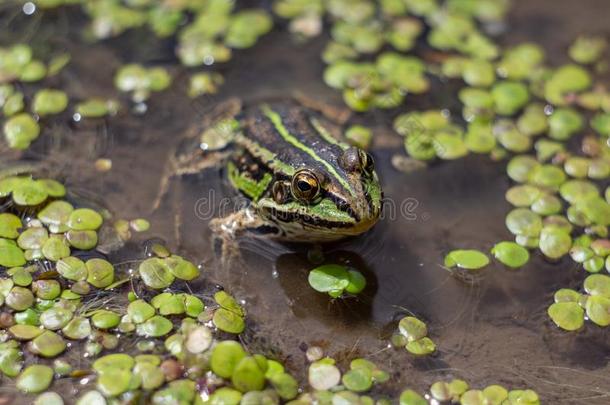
229, 229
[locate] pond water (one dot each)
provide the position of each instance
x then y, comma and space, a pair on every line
489, 328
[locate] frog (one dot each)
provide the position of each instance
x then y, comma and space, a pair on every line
303, 182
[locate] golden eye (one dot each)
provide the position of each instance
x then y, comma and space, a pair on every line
305, 186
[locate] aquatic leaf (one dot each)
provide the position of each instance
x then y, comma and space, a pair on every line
49, 102
567, 315
567, 295
10, 254
323, 376
510, 254
78, 328
84, 219
248, 376
564, 122
587, 49
597, 284
9, 226
19, 299
35, 378
421, 347
56, 248
410, 397
225, 357
180, 268
48, 344
100, 272
228, 321
140, 311
21, 130
155, 273
412, 328
522, 221
329, 277
598, 310
155, 326
467, 259
104, 319
509, 97
49, 398
72, 268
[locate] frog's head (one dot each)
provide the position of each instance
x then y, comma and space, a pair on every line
327, 201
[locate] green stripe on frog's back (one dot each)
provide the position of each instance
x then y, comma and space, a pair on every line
264, 155
276, 119
323, 132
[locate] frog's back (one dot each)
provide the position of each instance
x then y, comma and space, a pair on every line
295, 135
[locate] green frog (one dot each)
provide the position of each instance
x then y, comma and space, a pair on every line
287, 157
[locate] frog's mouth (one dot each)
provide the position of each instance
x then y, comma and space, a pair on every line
313, 222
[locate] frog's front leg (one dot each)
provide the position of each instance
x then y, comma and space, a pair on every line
244, 222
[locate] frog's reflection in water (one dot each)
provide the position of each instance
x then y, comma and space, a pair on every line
292, 270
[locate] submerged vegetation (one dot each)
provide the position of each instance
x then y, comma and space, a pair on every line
549, 124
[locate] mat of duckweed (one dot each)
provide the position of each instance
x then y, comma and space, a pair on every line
485, 283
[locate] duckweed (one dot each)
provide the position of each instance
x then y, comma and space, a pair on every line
587, 49
49, 102
155, 274
335, 279
467, 259
324, 375
20, 131
35, 378
564, 122
141, 81
48, 344
155, 326
13, 104
509, 97
410, 397
598, 310
597, 284
84, 219
564, 81
100, 273
421, 347
510, 254
96, 108
412, 328
567, 315
601, 123
229, 317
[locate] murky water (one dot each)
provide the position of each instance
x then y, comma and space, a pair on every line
490, 329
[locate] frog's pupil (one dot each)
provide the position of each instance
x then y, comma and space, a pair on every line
304, 186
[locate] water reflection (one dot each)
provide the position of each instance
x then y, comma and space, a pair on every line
292, 270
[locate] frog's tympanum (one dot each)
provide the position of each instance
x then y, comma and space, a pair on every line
303, 182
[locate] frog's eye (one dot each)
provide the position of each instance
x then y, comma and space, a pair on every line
305, 185
281, 191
